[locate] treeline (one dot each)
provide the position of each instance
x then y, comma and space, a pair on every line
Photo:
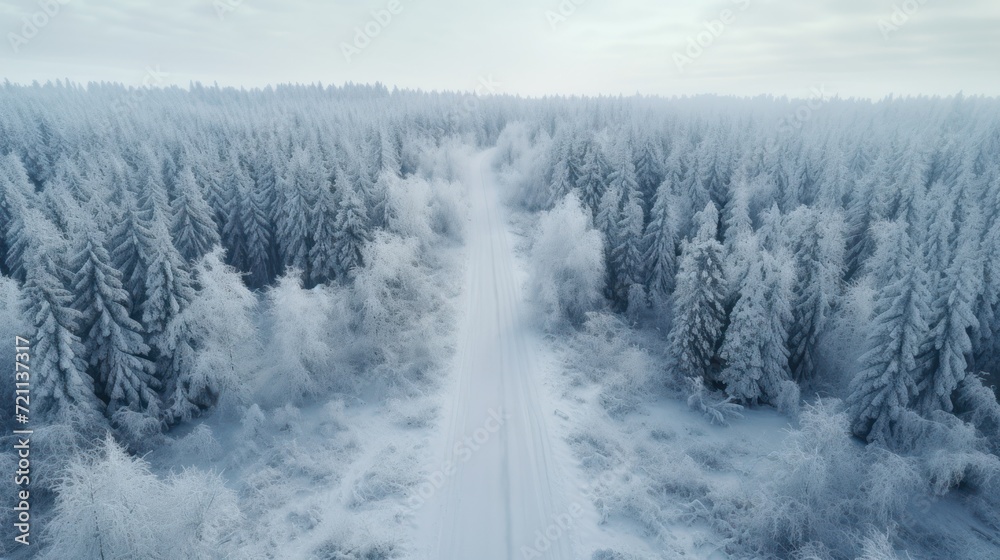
756, 237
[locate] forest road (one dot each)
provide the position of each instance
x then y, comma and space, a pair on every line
497, 492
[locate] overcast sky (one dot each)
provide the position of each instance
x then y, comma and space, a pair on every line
527, 47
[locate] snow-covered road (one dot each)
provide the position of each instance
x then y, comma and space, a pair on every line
497, 487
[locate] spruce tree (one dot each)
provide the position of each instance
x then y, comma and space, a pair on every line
130, 240
207, 339
593, 178
323, 254
191, 226
699, 299
115, 347
953, 324
352, 232
626, 256
887, 382
64, 390
818, 245
755, 347
292, 208
660, 243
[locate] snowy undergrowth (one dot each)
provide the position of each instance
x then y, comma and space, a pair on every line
763, 486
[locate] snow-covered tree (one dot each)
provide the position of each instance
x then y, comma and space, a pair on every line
887, 382
953, 321
699, 299
258, 237
130, 242
109, 505
115, 347
194, 232
323, 253
15, 189
712, 171
660, 243
561, 183
65, 389
209, 342
593, 178
293, 206
300, 338
626, 256
817, 239
167, 283
352, 231
567, 263
755, 347
649, 171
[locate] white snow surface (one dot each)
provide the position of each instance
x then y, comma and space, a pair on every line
499, 479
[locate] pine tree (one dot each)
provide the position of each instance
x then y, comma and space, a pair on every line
987, 347
908, 190
622, 174
953, 324
212, 173
755, 347
593, 178
64, 390
131, 239
258, 241
291, 213
818, 244
660, 242
607, 222
31, 231
887, 382
561, 184
741, 246
699, 299
940, 236
379, 205
206, 340
167, 287
712, 171
352, 232
151, 195
15, 191
323, 253
234, 234
626, 256
861, 215
649, 171
194, 233
115, 345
